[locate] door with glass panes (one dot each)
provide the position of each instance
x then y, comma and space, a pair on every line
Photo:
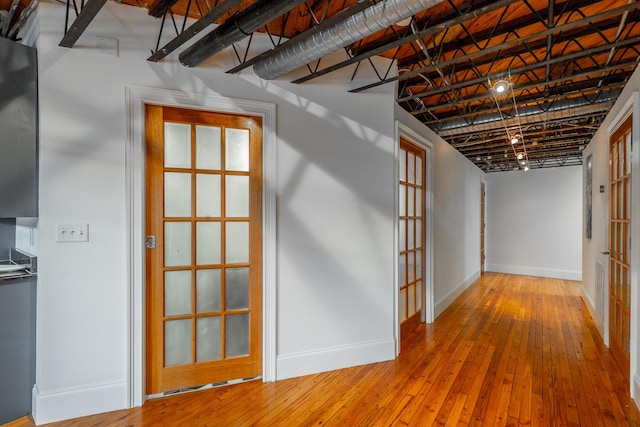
411, 232
620, 245
204, 247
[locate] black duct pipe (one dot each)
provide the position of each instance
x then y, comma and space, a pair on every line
234, 29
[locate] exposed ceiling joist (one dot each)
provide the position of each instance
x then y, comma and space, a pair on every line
209, 18
566, 62
495, 49
82, 21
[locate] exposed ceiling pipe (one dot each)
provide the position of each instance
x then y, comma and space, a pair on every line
235, 29
363, 24
528, 115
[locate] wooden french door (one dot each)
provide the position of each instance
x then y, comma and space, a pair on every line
411, 231
204, 247
483, 195
620, 245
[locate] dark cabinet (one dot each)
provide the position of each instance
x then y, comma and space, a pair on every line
18, 352
18, 130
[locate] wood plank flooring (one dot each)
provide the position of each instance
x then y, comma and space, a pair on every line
511, 351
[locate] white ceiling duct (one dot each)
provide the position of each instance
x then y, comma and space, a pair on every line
356, 27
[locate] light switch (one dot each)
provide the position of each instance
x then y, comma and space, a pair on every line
72, 232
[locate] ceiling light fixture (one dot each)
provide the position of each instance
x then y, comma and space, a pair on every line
502, 93
501, 86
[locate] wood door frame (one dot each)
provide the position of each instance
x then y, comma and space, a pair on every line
428, 298
483, 233
136, 99
631, 107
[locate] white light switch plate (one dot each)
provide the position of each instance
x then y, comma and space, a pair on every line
72, 232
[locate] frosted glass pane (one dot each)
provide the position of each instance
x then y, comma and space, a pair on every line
410, 267
177, 145
403, 234
208, 243
412, 300
177, 244
177, 194
208, 195
403, 200
208, 338
403, 304
403, 165
418, 264
237, 150
410, 211
628, 154
207, 291
237, 196
418, 170
208, 147
410, 235
237, 334
177, 342
418, 233
411, 168
237, 288
177, 293
418, 202
402, 272
418, 295
237, 239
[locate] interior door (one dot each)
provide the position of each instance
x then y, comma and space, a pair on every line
483, 195
411, 232
620, 245
204, 240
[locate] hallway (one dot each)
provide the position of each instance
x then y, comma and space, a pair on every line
512, 350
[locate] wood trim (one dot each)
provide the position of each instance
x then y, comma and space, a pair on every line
620, 252
161, 378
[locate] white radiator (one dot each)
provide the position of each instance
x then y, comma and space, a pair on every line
600, 287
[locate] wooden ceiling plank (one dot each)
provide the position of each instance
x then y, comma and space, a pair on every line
627, 66
511, 43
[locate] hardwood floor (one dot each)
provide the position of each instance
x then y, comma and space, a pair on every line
511, 351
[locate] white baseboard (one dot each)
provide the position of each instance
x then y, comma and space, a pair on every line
451, 296
64, 405
592, 310
552, 273
329, 359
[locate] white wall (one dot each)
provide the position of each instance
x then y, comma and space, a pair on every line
534, 222
335, 223
593, 248
456, 199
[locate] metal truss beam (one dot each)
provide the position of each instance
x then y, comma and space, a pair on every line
82, 21
520, 70
500, 30
499, 47
202, 23
627, 67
